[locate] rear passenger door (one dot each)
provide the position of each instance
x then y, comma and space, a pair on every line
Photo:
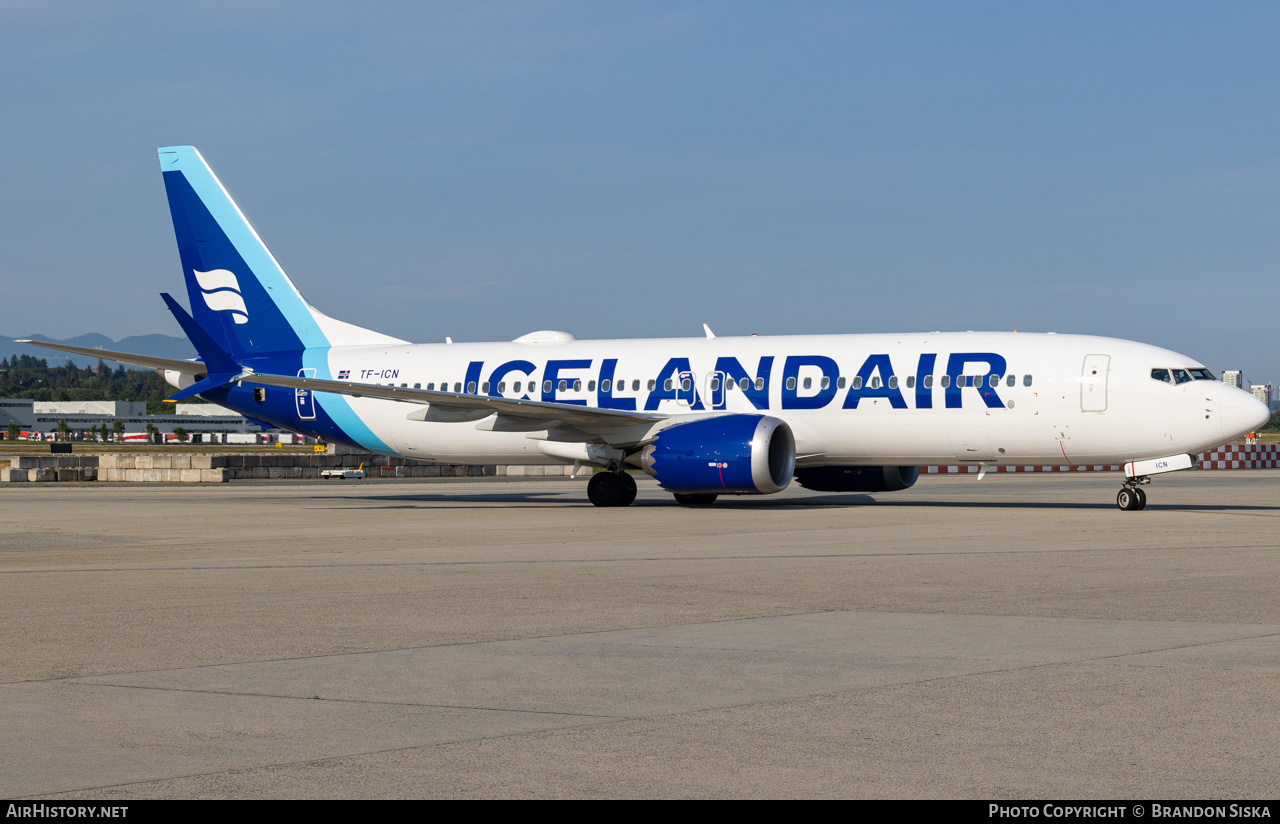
305, 400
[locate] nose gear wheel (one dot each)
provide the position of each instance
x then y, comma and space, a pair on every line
1131, 497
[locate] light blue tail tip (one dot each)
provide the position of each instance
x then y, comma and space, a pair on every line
175, 157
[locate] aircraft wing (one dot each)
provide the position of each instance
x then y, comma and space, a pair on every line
563, 413
189, 367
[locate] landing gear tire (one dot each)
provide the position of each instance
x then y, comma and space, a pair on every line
611, 489
628, 489
1131, 499
695, 500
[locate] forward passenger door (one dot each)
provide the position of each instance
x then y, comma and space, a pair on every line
1093, 383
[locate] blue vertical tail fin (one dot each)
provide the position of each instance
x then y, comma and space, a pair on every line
238, 292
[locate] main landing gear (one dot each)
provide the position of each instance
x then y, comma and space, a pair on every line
611, 489
1131, 496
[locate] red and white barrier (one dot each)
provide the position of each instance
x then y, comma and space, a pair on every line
1242, 456
1230, 456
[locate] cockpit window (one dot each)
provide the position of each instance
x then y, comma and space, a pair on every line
1202, 375
1181, 376
1161, 375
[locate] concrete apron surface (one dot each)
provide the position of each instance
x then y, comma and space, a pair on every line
134, 727
1018, 639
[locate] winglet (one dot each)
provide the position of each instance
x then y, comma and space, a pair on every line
707, 329
215, 360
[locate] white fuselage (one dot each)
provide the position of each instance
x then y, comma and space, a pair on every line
1088, 400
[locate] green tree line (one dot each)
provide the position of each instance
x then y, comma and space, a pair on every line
24, 376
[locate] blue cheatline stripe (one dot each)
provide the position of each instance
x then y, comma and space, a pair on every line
267, 271
337, 408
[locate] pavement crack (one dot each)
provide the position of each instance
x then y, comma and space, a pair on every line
314, 697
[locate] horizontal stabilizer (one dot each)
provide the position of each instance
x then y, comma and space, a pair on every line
211, 382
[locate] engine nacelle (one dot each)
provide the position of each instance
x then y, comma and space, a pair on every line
727, 454
858, 478
174, 378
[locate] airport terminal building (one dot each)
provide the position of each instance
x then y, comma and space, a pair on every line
44, 416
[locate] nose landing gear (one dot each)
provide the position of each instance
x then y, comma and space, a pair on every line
1131, 496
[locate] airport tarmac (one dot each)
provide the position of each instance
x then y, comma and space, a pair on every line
1015, 637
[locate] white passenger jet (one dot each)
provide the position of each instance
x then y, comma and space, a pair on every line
705, 416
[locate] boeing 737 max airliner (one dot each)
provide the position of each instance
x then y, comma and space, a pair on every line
705, 416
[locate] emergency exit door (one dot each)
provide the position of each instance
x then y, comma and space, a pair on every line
1093, 383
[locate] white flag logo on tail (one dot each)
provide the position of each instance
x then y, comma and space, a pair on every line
221, 293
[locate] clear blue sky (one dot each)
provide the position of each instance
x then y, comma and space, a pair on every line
482, 170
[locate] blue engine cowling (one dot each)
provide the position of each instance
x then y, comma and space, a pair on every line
727, 454
858, 478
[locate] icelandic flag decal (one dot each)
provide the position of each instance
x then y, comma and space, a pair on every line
344, 374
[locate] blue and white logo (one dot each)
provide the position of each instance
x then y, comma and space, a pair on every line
221, 293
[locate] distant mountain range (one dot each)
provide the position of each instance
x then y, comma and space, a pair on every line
160, 346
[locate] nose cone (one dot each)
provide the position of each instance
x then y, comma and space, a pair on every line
1241, 412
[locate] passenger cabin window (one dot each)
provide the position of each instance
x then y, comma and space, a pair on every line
417, 386
652, 383
591, 386
993, 381
1161, 375
945, 382
1012, 380
928, 381
635, 386
471, 387
857, 381
911, 381
744, 384
667, 385
484, 387
1026, 380
791, 383
431, 387
715, 384
1202, 375
577, 386
808, 383
562, 386
1181, 376
457, 387
875, 382
516, 388
759, 383
840, 383
502, 387
893, 381
546, 387
607, 385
